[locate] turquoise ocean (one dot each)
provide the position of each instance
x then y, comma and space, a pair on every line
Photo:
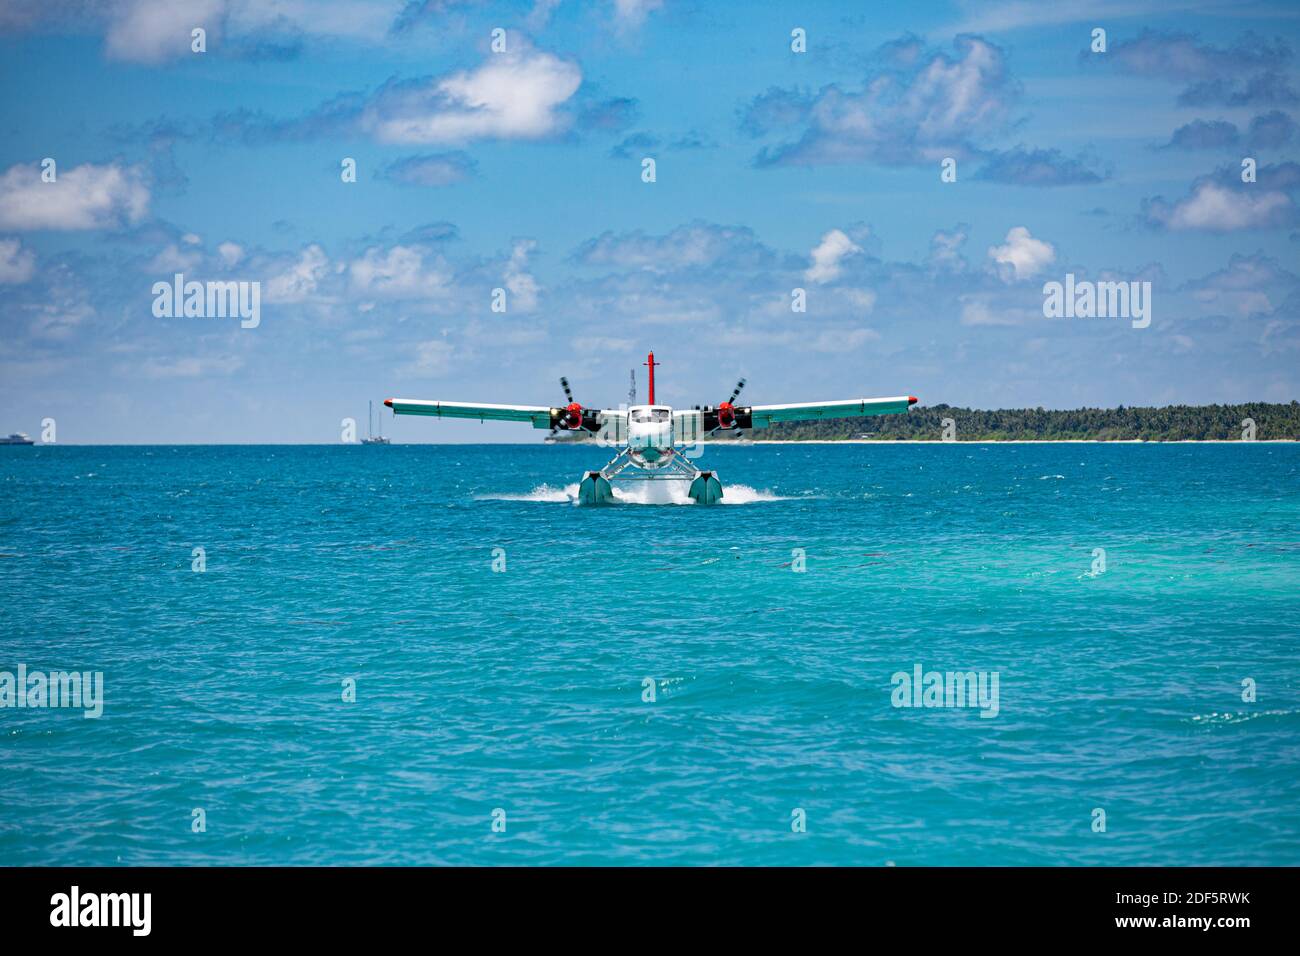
1139, 604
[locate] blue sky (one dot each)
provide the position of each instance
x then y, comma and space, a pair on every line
522, 170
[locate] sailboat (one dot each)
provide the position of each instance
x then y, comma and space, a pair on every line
371, 438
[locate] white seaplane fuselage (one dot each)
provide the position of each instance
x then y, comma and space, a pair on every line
650, 439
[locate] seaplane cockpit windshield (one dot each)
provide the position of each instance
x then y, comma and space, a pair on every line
643, 416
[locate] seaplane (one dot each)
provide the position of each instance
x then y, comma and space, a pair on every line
656, 442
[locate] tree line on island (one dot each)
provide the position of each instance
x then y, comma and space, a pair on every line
1170, 423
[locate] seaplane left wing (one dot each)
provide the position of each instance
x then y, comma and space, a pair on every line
539, 416
763, 415
609, 424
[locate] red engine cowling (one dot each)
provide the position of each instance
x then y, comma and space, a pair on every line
572, 416
726, 415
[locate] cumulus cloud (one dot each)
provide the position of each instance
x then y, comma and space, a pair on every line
1024, 166
1267, 130
188, 367
695, 245
521, 285
59, 308
17, 264
432, 169
1248, 73
917, 109
1220, 202
525, 94
827, 256
174, 259
514, 95
631, 14
154, 31
84, 197
300, 281
399, 272
985, 310
945, 249
1248, 285
231, 253
1204, 134
1273, 128
432, 357
1021, 256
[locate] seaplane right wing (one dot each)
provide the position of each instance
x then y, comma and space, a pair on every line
763, 415
729, 421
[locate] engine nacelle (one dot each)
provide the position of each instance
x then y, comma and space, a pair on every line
573, 417
727, 417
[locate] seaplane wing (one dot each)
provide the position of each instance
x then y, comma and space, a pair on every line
539, 416
763, 415
728, 421
608, 423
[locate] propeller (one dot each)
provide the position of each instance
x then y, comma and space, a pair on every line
727, 409
572, 412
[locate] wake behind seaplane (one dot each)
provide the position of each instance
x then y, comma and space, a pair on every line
656, 442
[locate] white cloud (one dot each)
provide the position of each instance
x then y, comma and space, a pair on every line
511, 96
931, 109
174, 259
977, 310
864, 299
540, 15
432, 357
1216, 208
157, 31
945, 250
436, 169
60, 318
695, 245
231, 253
1021, 256
828, 255
363, 19
399, 273
521, 285
17, 264
189, 367
154, 31
84, 197
631, 14
300, 281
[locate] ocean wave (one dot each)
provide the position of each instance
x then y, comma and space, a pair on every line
640, 493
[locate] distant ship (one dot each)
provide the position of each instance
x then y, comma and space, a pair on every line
371, 438
17, 438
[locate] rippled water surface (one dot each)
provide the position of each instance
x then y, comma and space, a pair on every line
1119, 690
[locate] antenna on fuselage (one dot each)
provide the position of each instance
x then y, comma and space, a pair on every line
651, 363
